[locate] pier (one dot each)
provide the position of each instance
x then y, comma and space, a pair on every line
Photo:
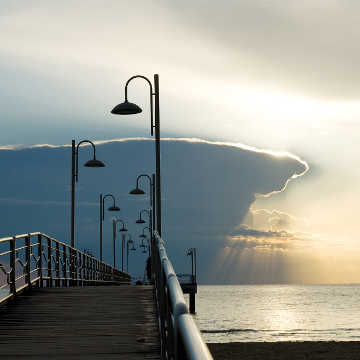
63, 303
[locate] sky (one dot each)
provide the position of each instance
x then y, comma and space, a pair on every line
271, 75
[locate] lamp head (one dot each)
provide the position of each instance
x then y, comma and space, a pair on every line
137, 191
94, 163
142, 236
123, 229
114, 208
126, 108
133, 248
140, 221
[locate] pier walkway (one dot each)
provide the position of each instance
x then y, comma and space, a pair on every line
92, 322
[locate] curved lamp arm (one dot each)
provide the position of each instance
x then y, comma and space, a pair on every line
103, 211
151, 96
77, 156
143, 175
119, 220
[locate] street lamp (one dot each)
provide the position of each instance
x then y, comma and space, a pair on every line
143, 233
102, 216
75, 177
144, 245
123, 229
140, 220
138, 191
129, 241
128, 108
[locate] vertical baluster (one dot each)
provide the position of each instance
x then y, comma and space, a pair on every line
87, 268
40, 274
83, 269
28, 261
75, 267
49, 281
64, 267
92, 271
57, 267
12, 266
96, 270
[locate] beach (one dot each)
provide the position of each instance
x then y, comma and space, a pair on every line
294, 350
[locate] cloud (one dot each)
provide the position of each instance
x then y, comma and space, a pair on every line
207, 190
275, 220
247, 238
308, 47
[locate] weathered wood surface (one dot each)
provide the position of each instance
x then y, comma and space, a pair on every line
104, 322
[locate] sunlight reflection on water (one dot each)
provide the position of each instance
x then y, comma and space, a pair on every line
278, 312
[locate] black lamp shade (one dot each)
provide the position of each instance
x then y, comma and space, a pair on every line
140, 221
137, 191
94, 163
142, 236
123, 229
114, 208
126, 108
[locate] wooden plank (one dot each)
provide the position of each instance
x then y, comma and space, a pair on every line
96, 322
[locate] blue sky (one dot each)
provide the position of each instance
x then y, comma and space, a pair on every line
271, 75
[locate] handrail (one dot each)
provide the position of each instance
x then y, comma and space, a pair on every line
45, 261
180, 337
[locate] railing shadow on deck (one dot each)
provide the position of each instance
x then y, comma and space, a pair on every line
36, 259
180, 337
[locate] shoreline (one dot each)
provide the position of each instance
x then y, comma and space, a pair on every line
294, 350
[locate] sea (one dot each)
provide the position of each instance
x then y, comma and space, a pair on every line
272, 313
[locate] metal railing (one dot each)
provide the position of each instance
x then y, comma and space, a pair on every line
180, 337
36, 259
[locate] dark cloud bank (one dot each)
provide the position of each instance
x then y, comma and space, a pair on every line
207, 191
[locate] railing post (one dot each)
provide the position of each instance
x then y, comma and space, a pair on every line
28, 261
57, 267
83, 269
49, 281
76, 267
40, 254
87, 268
92, 270
64, 267
12, 266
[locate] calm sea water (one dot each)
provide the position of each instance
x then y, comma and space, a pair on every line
278, 313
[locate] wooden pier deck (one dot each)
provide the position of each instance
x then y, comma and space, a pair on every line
95, 322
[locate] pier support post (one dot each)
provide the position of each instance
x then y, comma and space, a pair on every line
192, 302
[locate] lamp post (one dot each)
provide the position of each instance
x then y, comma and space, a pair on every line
122, 230
128, 108
143, 233
140, 220
75, 177
138, 191
143, 237
102, 217
115, 221
129, 241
